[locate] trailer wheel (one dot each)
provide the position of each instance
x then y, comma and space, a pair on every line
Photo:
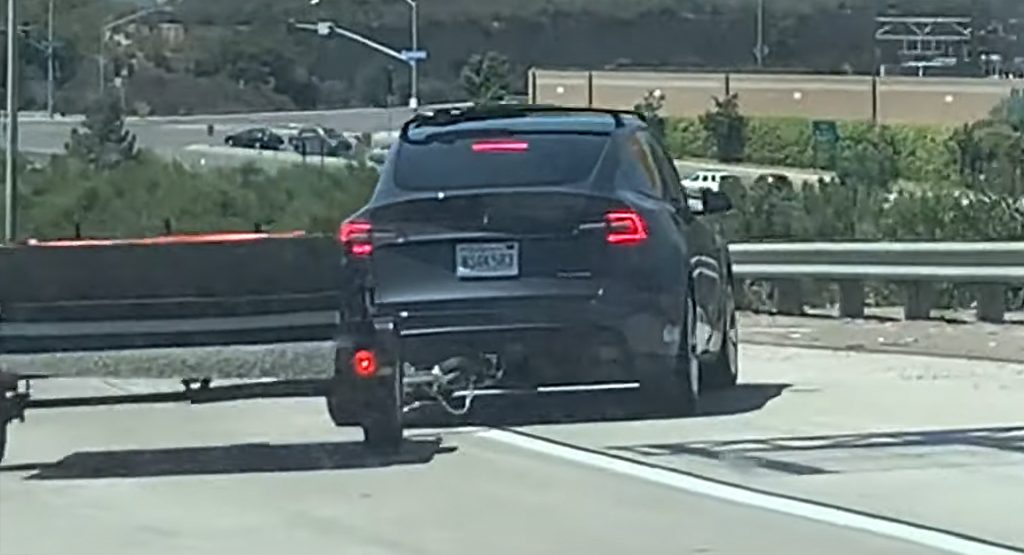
382, 424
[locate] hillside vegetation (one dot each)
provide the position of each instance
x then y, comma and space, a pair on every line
239, 54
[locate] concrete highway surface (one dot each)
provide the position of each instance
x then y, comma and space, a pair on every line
816, 452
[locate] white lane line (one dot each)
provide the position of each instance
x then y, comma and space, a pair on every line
946, 541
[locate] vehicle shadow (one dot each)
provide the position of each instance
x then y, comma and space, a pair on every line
602, 406
229, 459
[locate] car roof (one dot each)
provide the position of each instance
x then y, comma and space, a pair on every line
521, 119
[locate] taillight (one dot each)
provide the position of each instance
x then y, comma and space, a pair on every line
364, 363
501, 145
625, 227
355, 236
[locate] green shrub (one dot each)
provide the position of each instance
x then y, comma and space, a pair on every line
780, 142
686, 138
140, 197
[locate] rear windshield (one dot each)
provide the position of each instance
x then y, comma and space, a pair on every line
521, 159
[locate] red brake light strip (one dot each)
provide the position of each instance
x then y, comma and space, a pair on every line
501, 146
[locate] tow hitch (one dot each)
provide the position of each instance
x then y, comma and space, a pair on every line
449, 381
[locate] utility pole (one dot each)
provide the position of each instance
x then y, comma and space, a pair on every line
411, 57
759, 50
49, 62
10, 156
414, 97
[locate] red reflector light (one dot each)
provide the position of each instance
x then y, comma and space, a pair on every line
356, 237
364, 363
501, 146
625, 227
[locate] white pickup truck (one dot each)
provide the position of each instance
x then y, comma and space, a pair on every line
707, 179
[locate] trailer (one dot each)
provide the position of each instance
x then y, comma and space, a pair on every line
220, 290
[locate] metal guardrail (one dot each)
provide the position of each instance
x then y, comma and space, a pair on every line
991, 267
159, 293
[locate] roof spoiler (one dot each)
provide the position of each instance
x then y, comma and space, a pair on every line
456, 115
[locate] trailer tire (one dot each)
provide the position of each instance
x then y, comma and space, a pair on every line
383, 434
3, 440
382, 425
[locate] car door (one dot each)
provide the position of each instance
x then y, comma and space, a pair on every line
705, 268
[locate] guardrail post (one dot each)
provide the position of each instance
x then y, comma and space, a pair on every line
789, 298
991, 303
851, 299
920, 298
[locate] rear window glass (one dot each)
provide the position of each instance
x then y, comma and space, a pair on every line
521, 159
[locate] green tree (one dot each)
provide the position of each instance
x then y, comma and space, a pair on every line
650, 107
867, 168
485, 77
991, 157
727, 128
103, 142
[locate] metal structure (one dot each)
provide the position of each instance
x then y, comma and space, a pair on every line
760, 48
411, 57
991, 267
50, 67
927, 41
11, 153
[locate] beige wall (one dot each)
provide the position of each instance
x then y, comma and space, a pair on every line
841, 97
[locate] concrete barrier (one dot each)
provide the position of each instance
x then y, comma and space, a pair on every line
891, 100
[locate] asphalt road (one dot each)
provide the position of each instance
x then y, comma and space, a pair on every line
169, 135
816, 452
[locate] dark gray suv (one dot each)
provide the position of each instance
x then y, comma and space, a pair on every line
555, 242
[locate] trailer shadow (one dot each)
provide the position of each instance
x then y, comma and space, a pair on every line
601, 406
229, 459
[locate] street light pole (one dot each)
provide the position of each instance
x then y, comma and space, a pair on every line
101, 58
49, 61
10, 156
414, 99
760, 34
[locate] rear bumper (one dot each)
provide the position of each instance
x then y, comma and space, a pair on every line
599, 336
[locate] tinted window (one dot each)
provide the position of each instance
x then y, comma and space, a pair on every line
666, 168
640, 154
524, 159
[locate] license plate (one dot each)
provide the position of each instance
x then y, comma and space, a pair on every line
481, 260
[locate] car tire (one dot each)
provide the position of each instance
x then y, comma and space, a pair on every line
723, 370
672, 390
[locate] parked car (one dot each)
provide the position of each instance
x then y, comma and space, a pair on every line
321, 141
262, 138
